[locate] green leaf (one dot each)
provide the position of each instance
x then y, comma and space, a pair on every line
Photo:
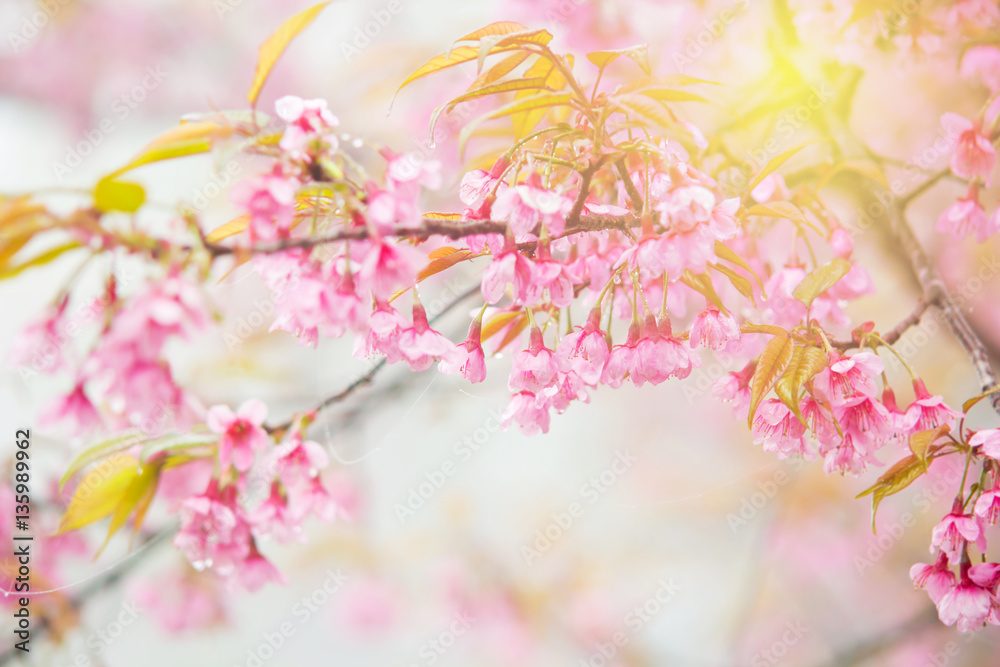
639, 53
783, 209
114, 195
777, 161
38, 260
742, 285
770, 365
276, 44
199, 437
498, 28
821, 280
181, 141
101, 450
99, 492
137, 497
639, 107
702, 283
898, 477
722, 251
535, 102
969, 404
921, 442
806, 362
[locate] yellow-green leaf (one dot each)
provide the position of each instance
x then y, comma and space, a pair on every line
639, 53
783, 209
38, 260
969, 404
742, 285
497, 322
137, 496
820, 280
181, 141
641, 108
806, 362
772, 363
276, 44
99, 492
722, 251
545, 100
498, 28
114, 195
439, 264
224, 231
895, 479
433, 215
771, 329
500, 70
777, 161
101, 450
531, 83
702, 283
921, 442
199, 437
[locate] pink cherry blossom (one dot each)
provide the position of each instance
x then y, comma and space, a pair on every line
535, 368
953, 532
974, 155
966, 217
622, 359
847, 377
388, 268
936, 579
273, 518
989, 440
421, 346
987, 506
714, 330
298, 461
525, 206
586, 349
778, 429
930, 411
865, 418
509, 268
982, 63
214, 530
384, 327
308, 120
241, 432
270, 201
253, 572
525, 411
469, 360
74, 408
841, 243
967, 604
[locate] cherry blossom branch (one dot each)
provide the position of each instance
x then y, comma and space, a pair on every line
935, 292
453, 229
896, 332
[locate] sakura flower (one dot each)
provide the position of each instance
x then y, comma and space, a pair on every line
525, 206
965, 217
551, 275
525, 411
714, 330
901, 422
297, 461
470, 361
308, 121
74, 408
406, 171
722, 221
313, 499
622, 359
846, 457
688, 206
478, 184
255, 571
390, 211
535, 368
841, 243
989, 440
214, 530
819, 420
847, 377
586, 349
778, 429
865, 418
987, 505
241, 432
930, 411
936, 579
384, 328
41, 345
270, 201
421, 346
735, 387
967, 604
982, 63
568, 387
509, 268
388, 267
272, 518
974, 155
953, 532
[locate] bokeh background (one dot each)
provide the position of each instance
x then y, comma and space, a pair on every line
454, 547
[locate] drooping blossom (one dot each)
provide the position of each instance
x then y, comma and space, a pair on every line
240, 432
974, 155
